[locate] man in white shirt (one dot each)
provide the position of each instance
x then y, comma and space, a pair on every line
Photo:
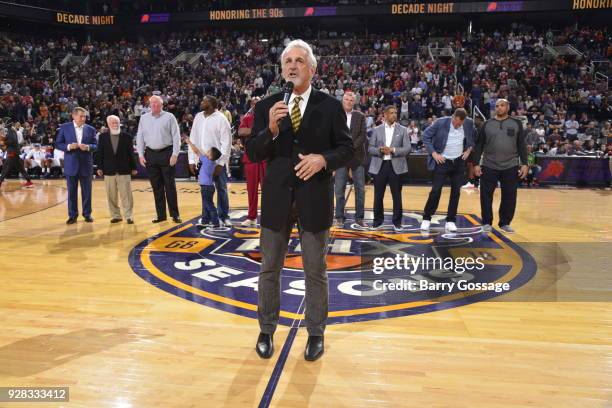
449, 142
389, 146
571, 128
212, 129
36, 159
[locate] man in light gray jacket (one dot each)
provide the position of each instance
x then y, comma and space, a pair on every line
389, 147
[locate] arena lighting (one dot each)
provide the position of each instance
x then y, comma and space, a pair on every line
264, 40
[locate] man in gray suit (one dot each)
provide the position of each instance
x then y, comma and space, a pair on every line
389, 147
355, 120
449, 142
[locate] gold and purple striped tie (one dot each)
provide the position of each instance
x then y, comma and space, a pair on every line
296, 114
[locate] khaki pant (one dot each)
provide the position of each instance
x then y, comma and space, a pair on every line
119, 185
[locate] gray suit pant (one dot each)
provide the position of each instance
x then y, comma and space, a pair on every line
273, 246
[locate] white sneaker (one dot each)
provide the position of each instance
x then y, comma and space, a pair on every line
468, 185
425, 225
227, 223
248, 223
450, 226
201, 224
487, 228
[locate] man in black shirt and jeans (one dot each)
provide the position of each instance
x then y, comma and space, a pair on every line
504, 156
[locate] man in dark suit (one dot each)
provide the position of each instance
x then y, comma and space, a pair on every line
449, 142
389, 147
78, 141
357, 125
303, 142
116, 162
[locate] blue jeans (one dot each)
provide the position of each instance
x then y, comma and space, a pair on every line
222, 198
209, 212
340, 181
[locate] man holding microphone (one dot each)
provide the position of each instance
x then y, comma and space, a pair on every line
304, 137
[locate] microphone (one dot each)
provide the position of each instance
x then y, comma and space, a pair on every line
287, 92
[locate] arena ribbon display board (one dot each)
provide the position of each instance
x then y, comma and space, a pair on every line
421, 8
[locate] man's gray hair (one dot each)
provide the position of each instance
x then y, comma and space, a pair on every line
304, 46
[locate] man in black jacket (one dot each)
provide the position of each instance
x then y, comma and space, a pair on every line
9, 144
355, 120
117, 163
303, 142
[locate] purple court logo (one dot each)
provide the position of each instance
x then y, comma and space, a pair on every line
373, 274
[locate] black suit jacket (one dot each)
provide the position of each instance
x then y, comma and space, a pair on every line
323, 131
111, 163
360, 140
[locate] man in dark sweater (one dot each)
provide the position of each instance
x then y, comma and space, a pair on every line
9, 144
503, 152
117, 163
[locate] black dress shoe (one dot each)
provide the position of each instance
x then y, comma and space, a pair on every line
314, 348
115, 220
88, 219
177, 220
71, 220
130, 221
155, 221
264, 346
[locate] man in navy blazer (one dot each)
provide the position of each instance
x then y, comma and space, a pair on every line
78, 141
449, 142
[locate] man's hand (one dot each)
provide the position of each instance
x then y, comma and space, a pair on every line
523, 171
143, 161
173, 159
134, 172
83, 147
466, 154
385, 150
218, 169
309, 165
73, 146
192, 169
278, 111
477, 171
100, 173
438, 158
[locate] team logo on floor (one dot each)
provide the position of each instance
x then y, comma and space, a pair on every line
373, 274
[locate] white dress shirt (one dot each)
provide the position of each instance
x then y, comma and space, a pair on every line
349, 115
211, 131
305, 96
389, 130
79, 133
454, 143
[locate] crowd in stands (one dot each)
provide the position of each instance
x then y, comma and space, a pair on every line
566, 111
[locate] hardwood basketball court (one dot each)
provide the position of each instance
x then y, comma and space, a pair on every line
76, 314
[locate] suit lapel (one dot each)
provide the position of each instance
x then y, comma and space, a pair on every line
73, 133
396, 133
353, 118
314, 100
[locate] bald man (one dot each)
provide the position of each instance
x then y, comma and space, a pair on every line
158, 142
